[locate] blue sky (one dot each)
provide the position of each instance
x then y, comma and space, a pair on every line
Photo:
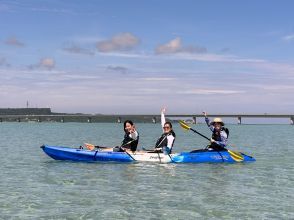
134, 57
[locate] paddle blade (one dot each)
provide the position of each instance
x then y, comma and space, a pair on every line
184, 125
236, 156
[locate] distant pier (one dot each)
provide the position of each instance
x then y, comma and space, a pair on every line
37, 115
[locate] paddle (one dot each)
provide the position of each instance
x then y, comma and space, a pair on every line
126, 150
235, 155
92, 146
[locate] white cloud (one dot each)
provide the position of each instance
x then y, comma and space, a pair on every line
278, 88
281, 68
210, 57
119, 42
175, 46
176, 53
126, 55
52, 10
254, 64
47, 63
289, 37
159, 79
211, 92
103, 92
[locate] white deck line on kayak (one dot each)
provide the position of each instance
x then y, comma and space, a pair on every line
151, 157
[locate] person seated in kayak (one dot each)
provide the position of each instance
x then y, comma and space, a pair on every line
131, 138
166, 141
219, 139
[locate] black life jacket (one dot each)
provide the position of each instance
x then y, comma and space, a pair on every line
162, 141
134, 143
216, 135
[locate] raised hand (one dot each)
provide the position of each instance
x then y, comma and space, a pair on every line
133, 129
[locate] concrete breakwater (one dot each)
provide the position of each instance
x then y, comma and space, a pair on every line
46, 115
78, 118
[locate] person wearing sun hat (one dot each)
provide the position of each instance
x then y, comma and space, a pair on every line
220, 134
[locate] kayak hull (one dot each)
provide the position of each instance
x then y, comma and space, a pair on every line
73, 154
209, 157
66, 153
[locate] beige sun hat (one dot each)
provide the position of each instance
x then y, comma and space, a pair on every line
217, 120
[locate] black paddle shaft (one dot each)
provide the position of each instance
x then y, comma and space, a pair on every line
199, 134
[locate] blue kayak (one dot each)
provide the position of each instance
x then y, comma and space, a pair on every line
201, 156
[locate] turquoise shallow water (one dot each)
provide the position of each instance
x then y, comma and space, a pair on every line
34, 186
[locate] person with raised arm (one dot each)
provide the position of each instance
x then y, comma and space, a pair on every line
166, 141
220, 134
